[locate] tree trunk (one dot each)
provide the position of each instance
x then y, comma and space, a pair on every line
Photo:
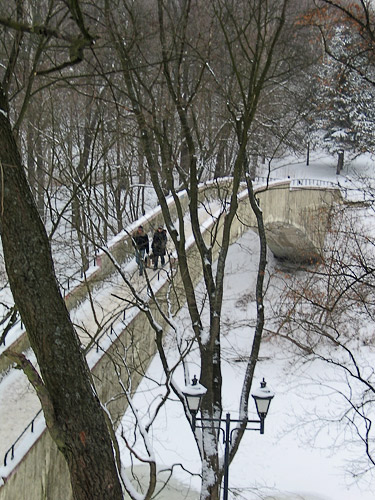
40, 177
253, 166
308, 154
340, 162
73, 413
30, 138
142, 178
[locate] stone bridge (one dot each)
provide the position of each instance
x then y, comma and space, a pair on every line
296, 218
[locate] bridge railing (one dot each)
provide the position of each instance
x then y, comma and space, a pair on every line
11, 450
110, 330
299, 183
319, 183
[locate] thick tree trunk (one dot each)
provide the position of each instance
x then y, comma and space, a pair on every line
73, 413
211, 378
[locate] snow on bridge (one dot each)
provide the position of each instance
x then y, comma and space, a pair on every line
18, 402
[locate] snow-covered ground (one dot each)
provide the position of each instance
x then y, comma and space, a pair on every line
288, 462
295, 459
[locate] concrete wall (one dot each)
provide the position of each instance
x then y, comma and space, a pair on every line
43, 474
296, 220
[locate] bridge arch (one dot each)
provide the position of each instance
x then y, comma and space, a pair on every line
287, 241
296, 218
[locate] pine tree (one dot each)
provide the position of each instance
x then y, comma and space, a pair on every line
345, 110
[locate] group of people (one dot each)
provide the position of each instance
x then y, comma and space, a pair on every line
158, 247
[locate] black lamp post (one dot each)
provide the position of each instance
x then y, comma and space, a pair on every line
262, 397
193, 394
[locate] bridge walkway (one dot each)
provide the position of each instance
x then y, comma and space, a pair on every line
18, 401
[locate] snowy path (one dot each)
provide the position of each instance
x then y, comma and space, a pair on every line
18, 401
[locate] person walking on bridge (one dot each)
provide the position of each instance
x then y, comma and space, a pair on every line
141, 245
159, 246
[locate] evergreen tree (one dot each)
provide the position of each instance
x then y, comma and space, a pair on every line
345, 110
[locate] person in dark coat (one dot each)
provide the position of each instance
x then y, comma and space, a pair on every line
141, 244
159, 246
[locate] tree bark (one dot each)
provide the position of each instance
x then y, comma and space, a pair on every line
76, 421
340, 162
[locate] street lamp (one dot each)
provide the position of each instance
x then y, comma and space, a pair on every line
193, 394
262, 397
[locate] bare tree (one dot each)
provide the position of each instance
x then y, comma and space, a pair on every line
72, 410
163, 87
324, 314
